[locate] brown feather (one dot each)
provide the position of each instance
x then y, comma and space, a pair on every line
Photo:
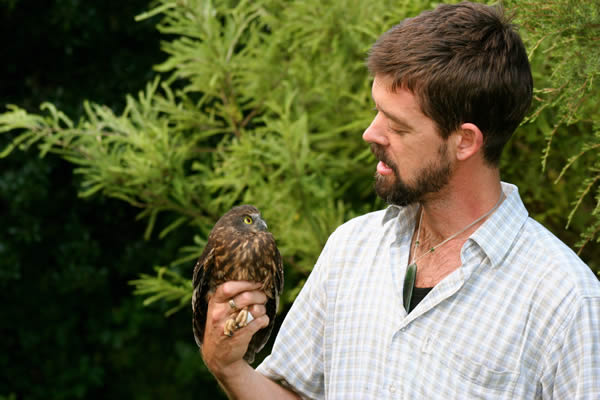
236, 250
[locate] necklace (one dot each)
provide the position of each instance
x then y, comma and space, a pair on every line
411, 270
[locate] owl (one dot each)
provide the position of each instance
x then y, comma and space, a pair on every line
239, 247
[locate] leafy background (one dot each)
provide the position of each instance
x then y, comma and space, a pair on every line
70, 326
152, 129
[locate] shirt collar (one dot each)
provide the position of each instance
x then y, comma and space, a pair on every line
400, 221
498, 233
390, 213
397, 213
495, 236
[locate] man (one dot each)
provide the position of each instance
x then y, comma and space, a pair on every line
452, 292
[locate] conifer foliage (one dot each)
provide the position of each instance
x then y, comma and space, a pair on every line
564, 40
264, 102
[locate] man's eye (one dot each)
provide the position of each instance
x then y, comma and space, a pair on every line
398, 131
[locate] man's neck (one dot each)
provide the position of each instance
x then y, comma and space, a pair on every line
446, 218
460, 203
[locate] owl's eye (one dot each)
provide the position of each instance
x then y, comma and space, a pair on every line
247, 220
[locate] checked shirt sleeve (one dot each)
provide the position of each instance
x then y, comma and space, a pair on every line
572, 370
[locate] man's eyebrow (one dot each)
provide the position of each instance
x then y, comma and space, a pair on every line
394, 118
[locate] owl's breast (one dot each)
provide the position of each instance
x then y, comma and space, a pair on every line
250, 257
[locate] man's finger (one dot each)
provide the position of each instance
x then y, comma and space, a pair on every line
249, 298
231, 289
257, 310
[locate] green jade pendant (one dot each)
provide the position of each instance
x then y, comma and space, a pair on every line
409, 284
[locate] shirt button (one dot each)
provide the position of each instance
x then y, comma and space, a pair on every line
427, 345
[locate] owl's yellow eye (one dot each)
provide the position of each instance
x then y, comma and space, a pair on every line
247, 220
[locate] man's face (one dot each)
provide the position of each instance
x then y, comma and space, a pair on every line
414, 161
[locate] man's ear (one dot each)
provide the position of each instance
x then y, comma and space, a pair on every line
469, 141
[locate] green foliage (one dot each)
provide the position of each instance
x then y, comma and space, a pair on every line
70, 326
264, 102
174, 288
564, 40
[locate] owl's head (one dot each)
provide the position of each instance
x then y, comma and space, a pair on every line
245, 218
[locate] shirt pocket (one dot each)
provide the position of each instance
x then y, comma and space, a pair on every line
493, 377
486, 379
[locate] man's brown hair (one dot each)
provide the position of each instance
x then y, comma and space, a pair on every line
464, 63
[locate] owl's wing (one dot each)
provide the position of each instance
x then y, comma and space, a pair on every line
261, 337
278, 276
201, 283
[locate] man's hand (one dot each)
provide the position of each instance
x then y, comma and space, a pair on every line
223, 354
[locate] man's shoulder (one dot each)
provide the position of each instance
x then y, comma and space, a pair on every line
369, 224
371, 219
363, 232
550, 259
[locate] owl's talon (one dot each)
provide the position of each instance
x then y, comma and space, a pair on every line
242, 318
230, 327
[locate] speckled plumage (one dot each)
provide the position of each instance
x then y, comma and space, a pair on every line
238, 250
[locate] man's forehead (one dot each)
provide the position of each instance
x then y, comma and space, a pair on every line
382, 92
383, 82
384, 86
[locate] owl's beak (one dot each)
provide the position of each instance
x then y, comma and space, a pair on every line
261, 224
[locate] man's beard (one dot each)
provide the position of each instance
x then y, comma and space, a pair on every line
430, 179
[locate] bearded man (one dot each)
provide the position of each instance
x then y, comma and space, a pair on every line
452, 292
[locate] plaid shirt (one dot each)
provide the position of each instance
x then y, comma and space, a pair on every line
520, 319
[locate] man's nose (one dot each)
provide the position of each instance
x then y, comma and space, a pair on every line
375, 133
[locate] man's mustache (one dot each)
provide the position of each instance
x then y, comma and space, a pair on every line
379, 154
